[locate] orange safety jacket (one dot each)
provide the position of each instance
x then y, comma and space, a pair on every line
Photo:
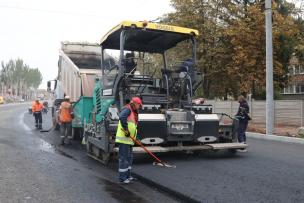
133, 117
37, 107
65, 112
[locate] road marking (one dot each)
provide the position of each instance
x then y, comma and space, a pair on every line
21, 123
43, 145
46, 147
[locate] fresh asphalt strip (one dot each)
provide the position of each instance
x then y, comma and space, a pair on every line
186, 198
179, 196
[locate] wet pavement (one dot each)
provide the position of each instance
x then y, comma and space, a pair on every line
34, 168
270, 172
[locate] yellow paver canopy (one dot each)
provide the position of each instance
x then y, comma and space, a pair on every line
146, 36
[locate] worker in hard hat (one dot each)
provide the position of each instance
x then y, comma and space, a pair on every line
65, 118
127, 126
36, 109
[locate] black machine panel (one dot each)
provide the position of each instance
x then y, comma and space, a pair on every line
206, 125
152, 126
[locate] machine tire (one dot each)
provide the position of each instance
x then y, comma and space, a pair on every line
88, 147
98, 153
105, 157
77, 133
57, 127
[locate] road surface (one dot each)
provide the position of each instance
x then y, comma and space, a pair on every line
33, 170
38, 169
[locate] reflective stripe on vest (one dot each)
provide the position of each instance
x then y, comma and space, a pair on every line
122, 170
132, 127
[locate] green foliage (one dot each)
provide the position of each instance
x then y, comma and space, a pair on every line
17, 75
299, 49
261, 94
231, 45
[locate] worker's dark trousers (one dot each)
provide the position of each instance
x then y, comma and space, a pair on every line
38, 119
66, 129
242, 131
125, 161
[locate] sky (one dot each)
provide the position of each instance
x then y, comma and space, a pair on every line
33, 29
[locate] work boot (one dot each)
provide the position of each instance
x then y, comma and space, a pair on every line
127, 181
131, 178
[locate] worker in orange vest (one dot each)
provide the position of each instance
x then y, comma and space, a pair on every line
36, 109
65, 118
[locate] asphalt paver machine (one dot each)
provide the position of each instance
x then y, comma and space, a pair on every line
169, 119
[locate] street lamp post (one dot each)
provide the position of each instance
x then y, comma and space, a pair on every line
269, 68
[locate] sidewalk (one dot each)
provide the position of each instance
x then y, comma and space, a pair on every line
279, 129
275, 138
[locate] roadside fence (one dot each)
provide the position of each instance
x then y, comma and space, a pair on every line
286, 112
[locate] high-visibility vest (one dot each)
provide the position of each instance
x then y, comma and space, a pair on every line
132, 127
37, 107
65, 112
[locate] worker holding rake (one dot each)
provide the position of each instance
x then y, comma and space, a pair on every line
126, 130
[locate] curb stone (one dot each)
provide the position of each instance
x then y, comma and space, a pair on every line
275, 138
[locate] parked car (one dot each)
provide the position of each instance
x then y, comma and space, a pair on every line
1, 100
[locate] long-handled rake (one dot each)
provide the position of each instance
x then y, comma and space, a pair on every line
158, 161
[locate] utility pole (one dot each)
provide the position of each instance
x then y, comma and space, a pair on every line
269, 68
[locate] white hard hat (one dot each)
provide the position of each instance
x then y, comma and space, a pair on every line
67, 97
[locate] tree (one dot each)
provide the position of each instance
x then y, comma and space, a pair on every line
247, 36
206, 16
231, 50
16, 77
